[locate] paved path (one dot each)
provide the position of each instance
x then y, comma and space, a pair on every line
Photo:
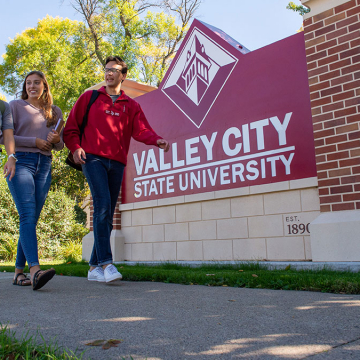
174, 322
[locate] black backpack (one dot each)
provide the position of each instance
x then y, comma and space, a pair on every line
70, 160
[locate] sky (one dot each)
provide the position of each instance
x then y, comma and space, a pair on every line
252, 23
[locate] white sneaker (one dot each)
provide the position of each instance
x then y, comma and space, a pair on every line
96, 274
111, 273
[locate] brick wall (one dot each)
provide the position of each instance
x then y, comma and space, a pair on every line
117, 215
332, 41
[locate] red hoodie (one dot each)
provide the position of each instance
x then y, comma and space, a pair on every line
110, 126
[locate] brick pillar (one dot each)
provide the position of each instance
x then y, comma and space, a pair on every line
332, 41
116, 239
117, 215
91, 213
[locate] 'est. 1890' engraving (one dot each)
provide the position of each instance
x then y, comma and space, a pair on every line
294, 226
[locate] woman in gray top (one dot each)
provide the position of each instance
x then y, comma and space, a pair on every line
35, 118
7, 129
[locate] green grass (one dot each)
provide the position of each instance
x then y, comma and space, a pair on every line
250, 275
28, 347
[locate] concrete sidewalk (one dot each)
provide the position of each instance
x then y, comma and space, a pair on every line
170, 322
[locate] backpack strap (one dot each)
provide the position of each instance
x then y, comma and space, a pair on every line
94, 96
2, 107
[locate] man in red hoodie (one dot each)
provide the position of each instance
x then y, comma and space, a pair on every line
113, 119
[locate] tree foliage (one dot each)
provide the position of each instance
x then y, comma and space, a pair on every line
73, 182
56, 227
302, 10
72, 55
62, 49
146, 39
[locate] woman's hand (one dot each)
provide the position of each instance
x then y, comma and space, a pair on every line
9, 168
43, 144
53, 137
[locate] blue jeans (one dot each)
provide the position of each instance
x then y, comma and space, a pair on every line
104, 177
29, 188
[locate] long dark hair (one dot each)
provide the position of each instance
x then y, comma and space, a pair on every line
46, 99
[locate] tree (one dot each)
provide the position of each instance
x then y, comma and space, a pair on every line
72, 55
62, 49
146, 40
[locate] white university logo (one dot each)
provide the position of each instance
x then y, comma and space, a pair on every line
200, 72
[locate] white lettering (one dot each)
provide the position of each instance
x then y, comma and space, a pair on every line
263, 168
225, 141
213, 178
281, 128
237, 170
161, 181
169, 184
195, 180
138, 191
176, 162
145, 184
204, 178
259, 126
252, 170
223, 174
191, 150
208, 145
181, 186
273, 160
139, 166
246, 138
151, 162
163, 166
287, 162
153, 188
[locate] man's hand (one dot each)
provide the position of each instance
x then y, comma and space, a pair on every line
163, 144
43, 144
9, 168
79, 155
53, 137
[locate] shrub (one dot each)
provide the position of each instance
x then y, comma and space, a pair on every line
56, 226
71, 251
8, 247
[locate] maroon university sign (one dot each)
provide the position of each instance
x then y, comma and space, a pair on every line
234, 118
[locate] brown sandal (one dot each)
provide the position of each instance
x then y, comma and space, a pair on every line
22, 282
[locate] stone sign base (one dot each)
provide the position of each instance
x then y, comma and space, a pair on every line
335, 236
117, 241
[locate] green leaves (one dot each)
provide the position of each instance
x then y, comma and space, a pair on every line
73, 182
56, 227
302, 10
62, 49
145, 34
